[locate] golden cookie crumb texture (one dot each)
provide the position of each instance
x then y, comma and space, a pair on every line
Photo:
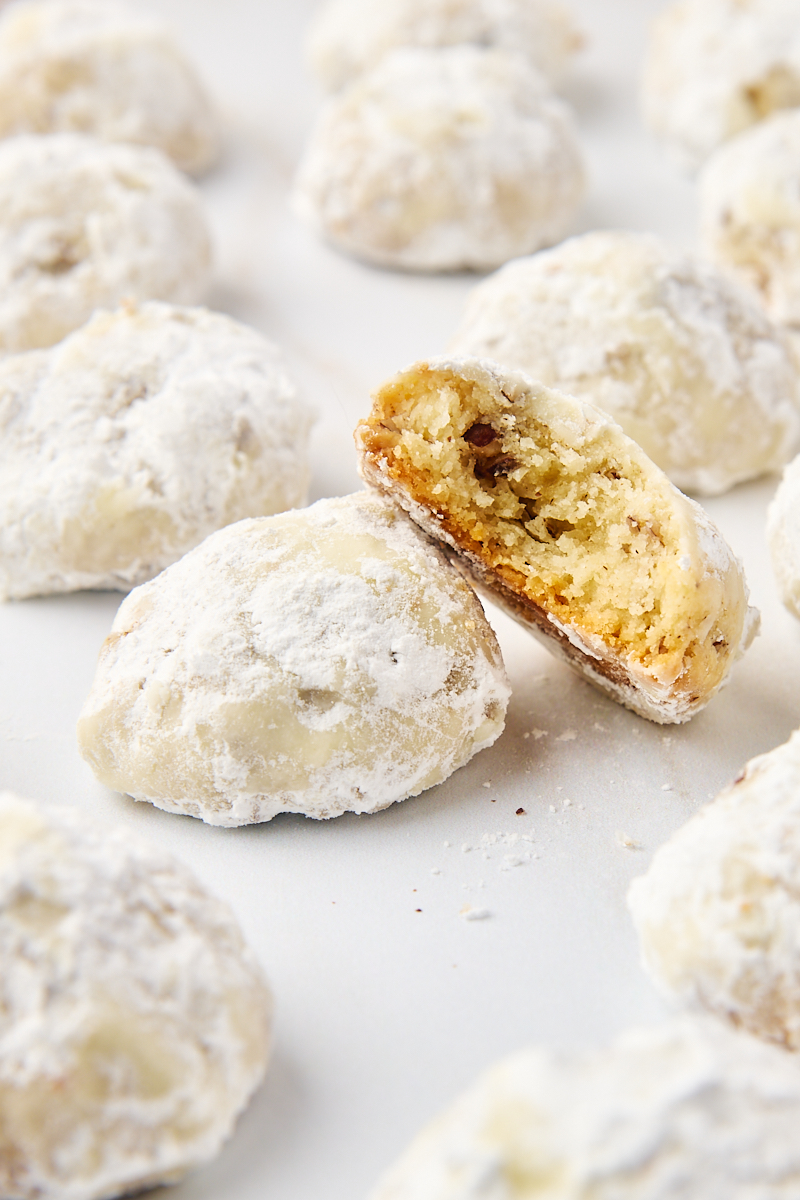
558, 516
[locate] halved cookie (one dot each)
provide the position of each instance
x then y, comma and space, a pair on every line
564, 521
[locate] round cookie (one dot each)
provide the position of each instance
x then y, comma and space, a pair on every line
129, 442
686, 1109
99, 67
86, 224
685, 361
750, 212
322, 661
783, 536
134, 1020
718, 912
563, 520
716, 67
348, 37
440, 160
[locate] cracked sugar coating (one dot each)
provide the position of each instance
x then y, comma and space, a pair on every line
439, 160
686, 1109
85, 225
716, 67
134, 1020
322, 661
718, 912
99, 67
129, 442
684, 360
750, 212
563, 520
783, 536
349, 36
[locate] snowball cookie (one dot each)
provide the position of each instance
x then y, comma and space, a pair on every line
322, 661
686, 362
715, 67
437, 160
718, 912
685, 1109
99, 67
783, 536
349, 36
560, 518
86, 224
134, 1020
750, 212
129, 442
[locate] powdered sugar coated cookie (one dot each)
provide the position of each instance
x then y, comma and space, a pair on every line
718, 912
683, 1109
128, 443
100, 67
783, 535
438, 160
750, 212
349, 36
85, 225
683, 359
322, 661
716, 67
134, 1020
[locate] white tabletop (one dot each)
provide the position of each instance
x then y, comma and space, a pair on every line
385, 1012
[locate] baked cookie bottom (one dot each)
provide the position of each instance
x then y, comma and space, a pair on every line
564, 521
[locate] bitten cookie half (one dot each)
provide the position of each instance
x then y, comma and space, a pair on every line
129, 442
563, 520
686, 1109
86, 224
134, 1020
718, 912
349, 36
684, 359
100, 67
322, 661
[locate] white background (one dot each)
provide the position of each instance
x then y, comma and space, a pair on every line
384, 1013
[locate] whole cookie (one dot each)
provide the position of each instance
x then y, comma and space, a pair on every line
563, 520
321, 661
783, 535
99, 67
349, 36
683, 359
686, 1109
438, 160
129, 442
716, 67
750, 212
86, 224
718, 912
134, 1020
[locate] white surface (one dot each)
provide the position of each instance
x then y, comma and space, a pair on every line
384, 1012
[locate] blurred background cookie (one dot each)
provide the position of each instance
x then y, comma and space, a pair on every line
103, 68
86, 224
684, 360
442, 159
125, 445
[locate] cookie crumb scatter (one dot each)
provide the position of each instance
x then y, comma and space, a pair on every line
666, 787
538, 733
521, 812
568, 735
488, 783
474, 914
624, 839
